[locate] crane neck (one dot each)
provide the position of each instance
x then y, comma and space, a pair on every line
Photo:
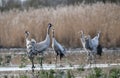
98, 35
53, 35
48, 30
47, 35
82, 35
27, 37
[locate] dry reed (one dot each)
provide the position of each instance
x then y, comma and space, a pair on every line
68, 21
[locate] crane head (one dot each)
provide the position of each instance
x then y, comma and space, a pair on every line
50, 25
27, 33
99, 32
82, 32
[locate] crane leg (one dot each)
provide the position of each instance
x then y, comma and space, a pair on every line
94, 58
88, 58
61, 55
33, 64
31, 59
41, 61
56, 61
65, 59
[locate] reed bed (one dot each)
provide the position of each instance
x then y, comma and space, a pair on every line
67, 21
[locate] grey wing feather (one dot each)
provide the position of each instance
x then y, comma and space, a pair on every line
41, 47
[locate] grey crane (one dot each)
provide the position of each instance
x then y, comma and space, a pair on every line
38, 48
94, 44
57, 47
30, 43
91, 46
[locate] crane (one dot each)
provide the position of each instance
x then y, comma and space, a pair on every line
91, 46
30, 47
40, 47
95, 45
35, 48
57, 47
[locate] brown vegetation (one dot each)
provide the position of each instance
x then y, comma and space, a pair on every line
68, 21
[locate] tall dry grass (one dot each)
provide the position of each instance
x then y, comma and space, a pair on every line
68, 21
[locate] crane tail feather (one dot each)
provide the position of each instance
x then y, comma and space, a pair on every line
99, 50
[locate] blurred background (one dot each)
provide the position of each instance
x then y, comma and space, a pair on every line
25, 4
68, 17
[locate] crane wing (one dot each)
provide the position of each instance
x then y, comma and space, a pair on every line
95, 42
42, 46
59, 47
